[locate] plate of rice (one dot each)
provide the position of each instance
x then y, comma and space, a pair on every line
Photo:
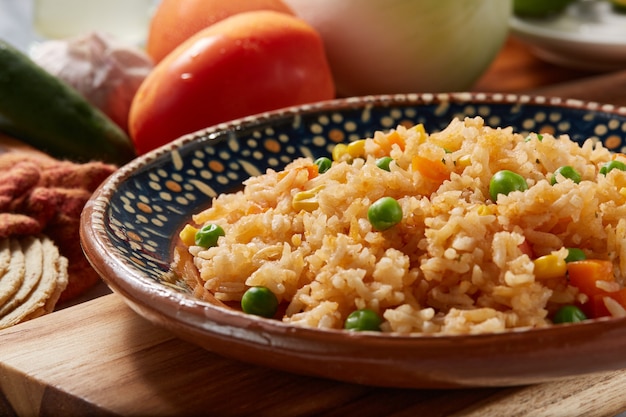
414, 241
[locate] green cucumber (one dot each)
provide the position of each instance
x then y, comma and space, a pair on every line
45, 112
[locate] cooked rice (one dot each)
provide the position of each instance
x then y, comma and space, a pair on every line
457, 262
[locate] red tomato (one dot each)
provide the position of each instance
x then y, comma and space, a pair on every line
176, 20
245, 64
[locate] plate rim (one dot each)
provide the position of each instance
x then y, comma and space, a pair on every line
178, 304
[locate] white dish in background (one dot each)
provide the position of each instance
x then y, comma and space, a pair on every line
588, 35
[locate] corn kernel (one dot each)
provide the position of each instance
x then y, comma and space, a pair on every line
464, 161
339, 151
306, 200
622, 191
356, 149
188, 235
306, 204
485, 210
419, 128
550, 267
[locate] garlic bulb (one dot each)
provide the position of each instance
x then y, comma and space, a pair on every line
104, 70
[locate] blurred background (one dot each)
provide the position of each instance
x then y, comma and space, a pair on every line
21, 26
16, 22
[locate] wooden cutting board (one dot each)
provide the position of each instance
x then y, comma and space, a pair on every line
100, 358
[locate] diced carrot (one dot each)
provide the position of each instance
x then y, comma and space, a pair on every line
382, 143
619, 296
585, 274
387, 142
396, 139
433, 170
596, 306
313, 171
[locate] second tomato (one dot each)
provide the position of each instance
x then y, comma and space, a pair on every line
246, 64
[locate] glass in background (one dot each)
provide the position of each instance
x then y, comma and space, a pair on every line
127, 20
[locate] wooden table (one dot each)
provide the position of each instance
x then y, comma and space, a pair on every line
517, 70
100, 358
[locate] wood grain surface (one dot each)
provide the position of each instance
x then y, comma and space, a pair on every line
100, 358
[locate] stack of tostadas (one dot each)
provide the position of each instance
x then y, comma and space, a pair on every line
33, 274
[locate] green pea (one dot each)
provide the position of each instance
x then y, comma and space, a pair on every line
611, 165
383, 163
504, 182
568, 172
569, 314
384, 213
529, 137
323, 164
575, 254
364, 319
208, 235
259, 301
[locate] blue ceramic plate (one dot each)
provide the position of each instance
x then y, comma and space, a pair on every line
130, 225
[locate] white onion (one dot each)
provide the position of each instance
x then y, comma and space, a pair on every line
403, 46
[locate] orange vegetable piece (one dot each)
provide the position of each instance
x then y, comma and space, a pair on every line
586, 273
174, 21
433, 170
313, 171
387, 142
394, 138
596, 306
